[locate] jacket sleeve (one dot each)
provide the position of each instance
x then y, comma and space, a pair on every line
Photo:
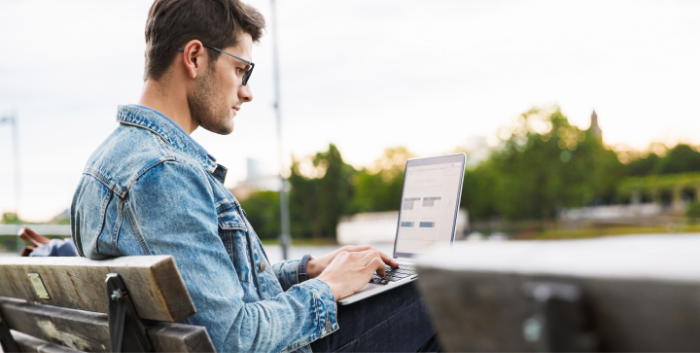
171, 210
287, 273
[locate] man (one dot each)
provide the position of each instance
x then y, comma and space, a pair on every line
150, 189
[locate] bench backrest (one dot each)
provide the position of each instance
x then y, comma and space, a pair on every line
63, 300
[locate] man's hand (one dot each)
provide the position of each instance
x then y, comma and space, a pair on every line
350, 271
317, 265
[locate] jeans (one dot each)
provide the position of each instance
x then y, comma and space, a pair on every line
56, 247
393, 321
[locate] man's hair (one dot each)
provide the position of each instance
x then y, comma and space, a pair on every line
173, 23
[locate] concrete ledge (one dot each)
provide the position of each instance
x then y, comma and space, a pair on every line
641, 293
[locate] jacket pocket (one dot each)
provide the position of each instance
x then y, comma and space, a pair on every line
232, 230
229, 218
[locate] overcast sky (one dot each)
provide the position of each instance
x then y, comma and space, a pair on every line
364, 75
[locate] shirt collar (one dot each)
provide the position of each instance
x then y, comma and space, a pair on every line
168, 130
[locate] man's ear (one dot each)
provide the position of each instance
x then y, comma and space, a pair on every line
195, 58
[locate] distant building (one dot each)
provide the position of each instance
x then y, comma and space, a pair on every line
380, 227
477, 149
595, 128
255, 181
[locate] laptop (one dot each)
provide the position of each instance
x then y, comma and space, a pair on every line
432, 190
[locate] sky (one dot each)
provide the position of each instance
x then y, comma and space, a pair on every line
364, 75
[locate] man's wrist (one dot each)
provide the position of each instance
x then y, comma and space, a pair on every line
303, 270
311, 268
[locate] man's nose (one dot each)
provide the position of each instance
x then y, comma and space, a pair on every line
245, 94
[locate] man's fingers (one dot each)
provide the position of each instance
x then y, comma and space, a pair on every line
374, 260
377, 265
388, 260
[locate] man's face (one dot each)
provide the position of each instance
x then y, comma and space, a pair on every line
219, 93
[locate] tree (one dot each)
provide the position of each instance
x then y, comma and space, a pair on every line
680, 159
263, 212
9, 218
334, 189
643, 166
542, 164
379, 188
317, 203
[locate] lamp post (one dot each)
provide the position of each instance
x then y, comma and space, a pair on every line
285, 237
12, 119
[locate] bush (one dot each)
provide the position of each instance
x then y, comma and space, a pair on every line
693, 211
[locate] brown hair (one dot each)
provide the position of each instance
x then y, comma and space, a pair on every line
173, 23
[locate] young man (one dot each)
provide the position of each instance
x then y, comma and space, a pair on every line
150, 189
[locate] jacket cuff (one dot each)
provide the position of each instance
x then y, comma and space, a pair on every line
286, 273
325, 306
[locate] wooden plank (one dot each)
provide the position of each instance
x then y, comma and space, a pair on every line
28, 343
642, 293
154, 283
89, 331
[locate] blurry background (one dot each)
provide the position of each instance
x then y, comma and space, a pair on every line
580, 118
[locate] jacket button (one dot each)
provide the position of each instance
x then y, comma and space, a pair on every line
262, 267
328, 324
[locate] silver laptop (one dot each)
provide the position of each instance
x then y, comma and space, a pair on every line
432, 189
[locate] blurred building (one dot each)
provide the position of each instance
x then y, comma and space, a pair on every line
255, 180
653, 200
476, 150
380, 227
595, 128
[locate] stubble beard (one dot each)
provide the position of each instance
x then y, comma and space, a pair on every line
207, 107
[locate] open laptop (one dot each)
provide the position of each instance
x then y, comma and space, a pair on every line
432, 190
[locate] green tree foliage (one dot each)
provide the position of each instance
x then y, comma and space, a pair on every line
380, 190
643, 166
9, 218
693, 211
263, 212
324, 188
333, 190
542, 164
317, 203
680, 159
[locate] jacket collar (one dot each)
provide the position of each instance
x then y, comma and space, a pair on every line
171, 133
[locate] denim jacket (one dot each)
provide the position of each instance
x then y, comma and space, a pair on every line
149, 189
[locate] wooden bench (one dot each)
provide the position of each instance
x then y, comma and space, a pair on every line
63, 304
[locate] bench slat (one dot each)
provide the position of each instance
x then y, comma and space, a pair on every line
154, 283
28, 343
89, 331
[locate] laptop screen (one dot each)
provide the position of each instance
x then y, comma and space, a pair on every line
432, 189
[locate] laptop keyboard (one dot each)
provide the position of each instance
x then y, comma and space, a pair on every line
393, 274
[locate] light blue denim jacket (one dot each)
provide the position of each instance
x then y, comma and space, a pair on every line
149, 189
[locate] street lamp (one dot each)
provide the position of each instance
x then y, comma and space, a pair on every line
12, 119
285, 237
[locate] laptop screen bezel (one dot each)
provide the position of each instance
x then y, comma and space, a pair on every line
415, 162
